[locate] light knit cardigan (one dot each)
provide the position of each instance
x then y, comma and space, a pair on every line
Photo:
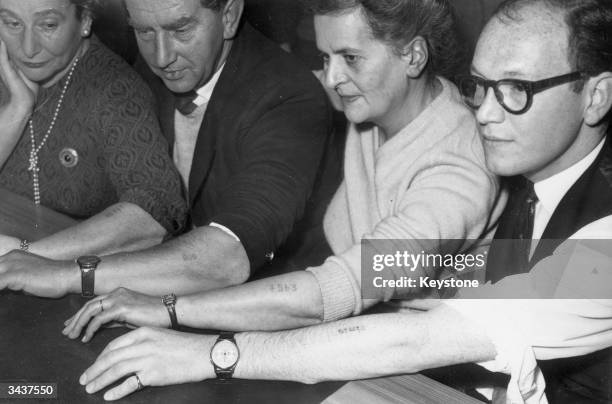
429, 181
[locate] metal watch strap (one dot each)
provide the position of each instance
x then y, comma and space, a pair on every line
170, 301
225, 374
88, 265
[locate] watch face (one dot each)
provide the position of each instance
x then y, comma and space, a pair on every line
88, 261
224, 354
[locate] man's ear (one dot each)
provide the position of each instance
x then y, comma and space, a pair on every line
599, 98
232, 12
416, 56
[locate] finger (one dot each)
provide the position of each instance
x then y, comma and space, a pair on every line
10, 281
4, 60
95, 312
119, 324
116, 372
110, 359
71, 322
98, 320
15, 80
129, 386
67, 322
9, 75
82, 317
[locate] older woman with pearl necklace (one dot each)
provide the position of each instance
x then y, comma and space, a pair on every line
79, 135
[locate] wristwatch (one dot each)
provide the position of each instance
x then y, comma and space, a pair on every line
88, 265
170, 301
224, 355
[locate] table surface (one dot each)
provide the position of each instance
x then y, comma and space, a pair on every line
32, 348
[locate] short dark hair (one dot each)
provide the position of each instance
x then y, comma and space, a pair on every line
590, 30
589, 24
215, 5
86, 6
397, 22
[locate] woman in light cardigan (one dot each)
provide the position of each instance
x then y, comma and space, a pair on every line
414, 169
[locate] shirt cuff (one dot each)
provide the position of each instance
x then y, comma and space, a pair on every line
515, 356
338, 290
225, 230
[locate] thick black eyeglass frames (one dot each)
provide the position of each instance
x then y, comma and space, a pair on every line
515, 96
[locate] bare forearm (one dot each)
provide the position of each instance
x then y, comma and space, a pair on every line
360, 347
121, 227
363, 347
277, 303
205, 258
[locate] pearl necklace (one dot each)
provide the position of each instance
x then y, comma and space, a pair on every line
35, 150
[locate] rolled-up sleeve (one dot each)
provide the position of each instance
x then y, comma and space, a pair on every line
572, 318
280, 152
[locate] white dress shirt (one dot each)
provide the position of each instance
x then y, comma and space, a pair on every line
551, 190
187, 128
186, 131
534, 328
576, 320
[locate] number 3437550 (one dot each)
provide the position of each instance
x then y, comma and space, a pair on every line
28, 390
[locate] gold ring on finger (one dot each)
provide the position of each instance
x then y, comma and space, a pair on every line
140, 385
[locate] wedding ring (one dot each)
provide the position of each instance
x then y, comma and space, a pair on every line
140, 386
101, 306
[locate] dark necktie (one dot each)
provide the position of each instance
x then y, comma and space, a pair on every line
184, 102
509, 253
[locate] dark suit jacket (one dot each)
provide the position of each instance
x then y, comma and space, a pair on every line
261, 165
588, 378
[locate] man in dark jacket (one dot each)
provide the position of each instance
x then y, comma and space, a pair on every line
249, 130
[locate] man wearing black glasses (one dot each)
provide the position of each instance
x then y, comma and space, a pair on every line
543, 104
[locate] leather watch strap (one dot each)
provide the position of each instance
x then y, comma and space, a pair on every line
88, 265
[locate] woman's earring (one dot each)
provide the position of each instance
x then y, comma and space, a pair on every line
85, 32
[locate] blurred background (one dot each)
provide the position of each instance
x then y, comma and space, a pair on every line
288, 23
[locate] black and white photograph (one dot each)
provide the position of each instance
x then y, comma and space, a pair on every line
306, 201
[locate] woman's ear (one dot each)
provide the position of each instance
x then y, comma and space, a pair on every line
86, 21
232, 12
598, 93
416, 56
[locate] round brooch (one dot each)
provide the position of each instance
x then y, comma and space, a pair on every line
69, 157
